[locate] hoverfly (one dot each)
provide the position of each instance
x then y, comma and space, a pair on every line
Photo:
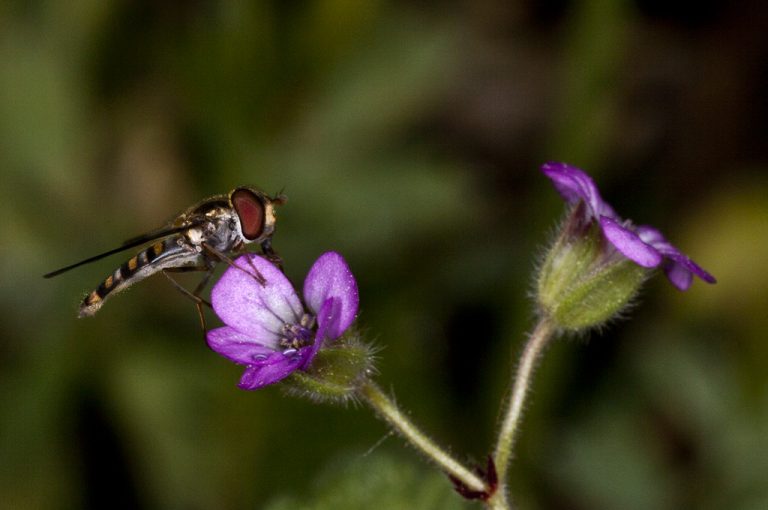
195, 240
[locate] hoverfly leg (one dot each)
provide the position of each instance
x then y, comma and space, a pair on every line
199, 307
271, 255
259, 277
221, 256
203, 282
199, 304
194, 296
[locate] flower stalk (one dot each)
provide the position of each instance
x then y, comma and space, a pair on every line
502, 455
388, 410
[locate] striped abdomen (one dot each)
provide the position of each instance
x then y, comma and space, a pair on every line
163, 254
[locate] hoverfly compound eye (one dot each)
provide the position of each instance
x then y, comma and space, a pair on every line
250, 210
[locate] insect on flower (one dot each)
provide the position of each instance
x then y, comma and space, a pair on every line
195, 240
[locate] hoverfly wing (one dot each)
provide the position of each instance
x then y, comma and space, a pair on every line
163, 231
130, 243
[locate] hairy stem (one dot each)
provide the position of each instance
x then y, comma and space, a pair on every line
502, 455
388, 410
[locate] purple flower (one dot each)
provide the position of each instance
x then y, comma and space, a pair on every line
267, 328
643, 245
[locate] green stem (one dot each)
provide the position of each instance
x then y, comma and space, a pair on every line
502, 456
388, 410
498, 502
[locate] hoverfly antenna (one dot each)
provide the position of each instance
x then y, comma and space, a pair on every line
280, 198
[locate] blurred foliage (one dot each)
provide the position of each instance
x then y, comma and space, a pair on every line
408, 137
379, 481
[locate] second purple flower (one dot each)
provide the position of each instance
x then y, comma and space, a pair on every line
643, 245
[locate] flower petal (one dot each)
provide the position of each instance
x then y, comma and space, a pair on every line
236, 346
331, 278
694, 268
651, 235
276, 367
679, 268
574, 184
324, 320
629, 243
678, 275
252, 307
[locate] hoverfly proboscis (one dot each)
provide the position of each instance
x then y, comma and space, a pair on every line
195, 240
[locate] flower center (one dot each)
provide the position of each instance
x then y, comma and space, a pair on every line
296, 336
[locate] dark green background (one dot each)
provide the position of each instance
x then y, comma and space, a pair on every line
408, 137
